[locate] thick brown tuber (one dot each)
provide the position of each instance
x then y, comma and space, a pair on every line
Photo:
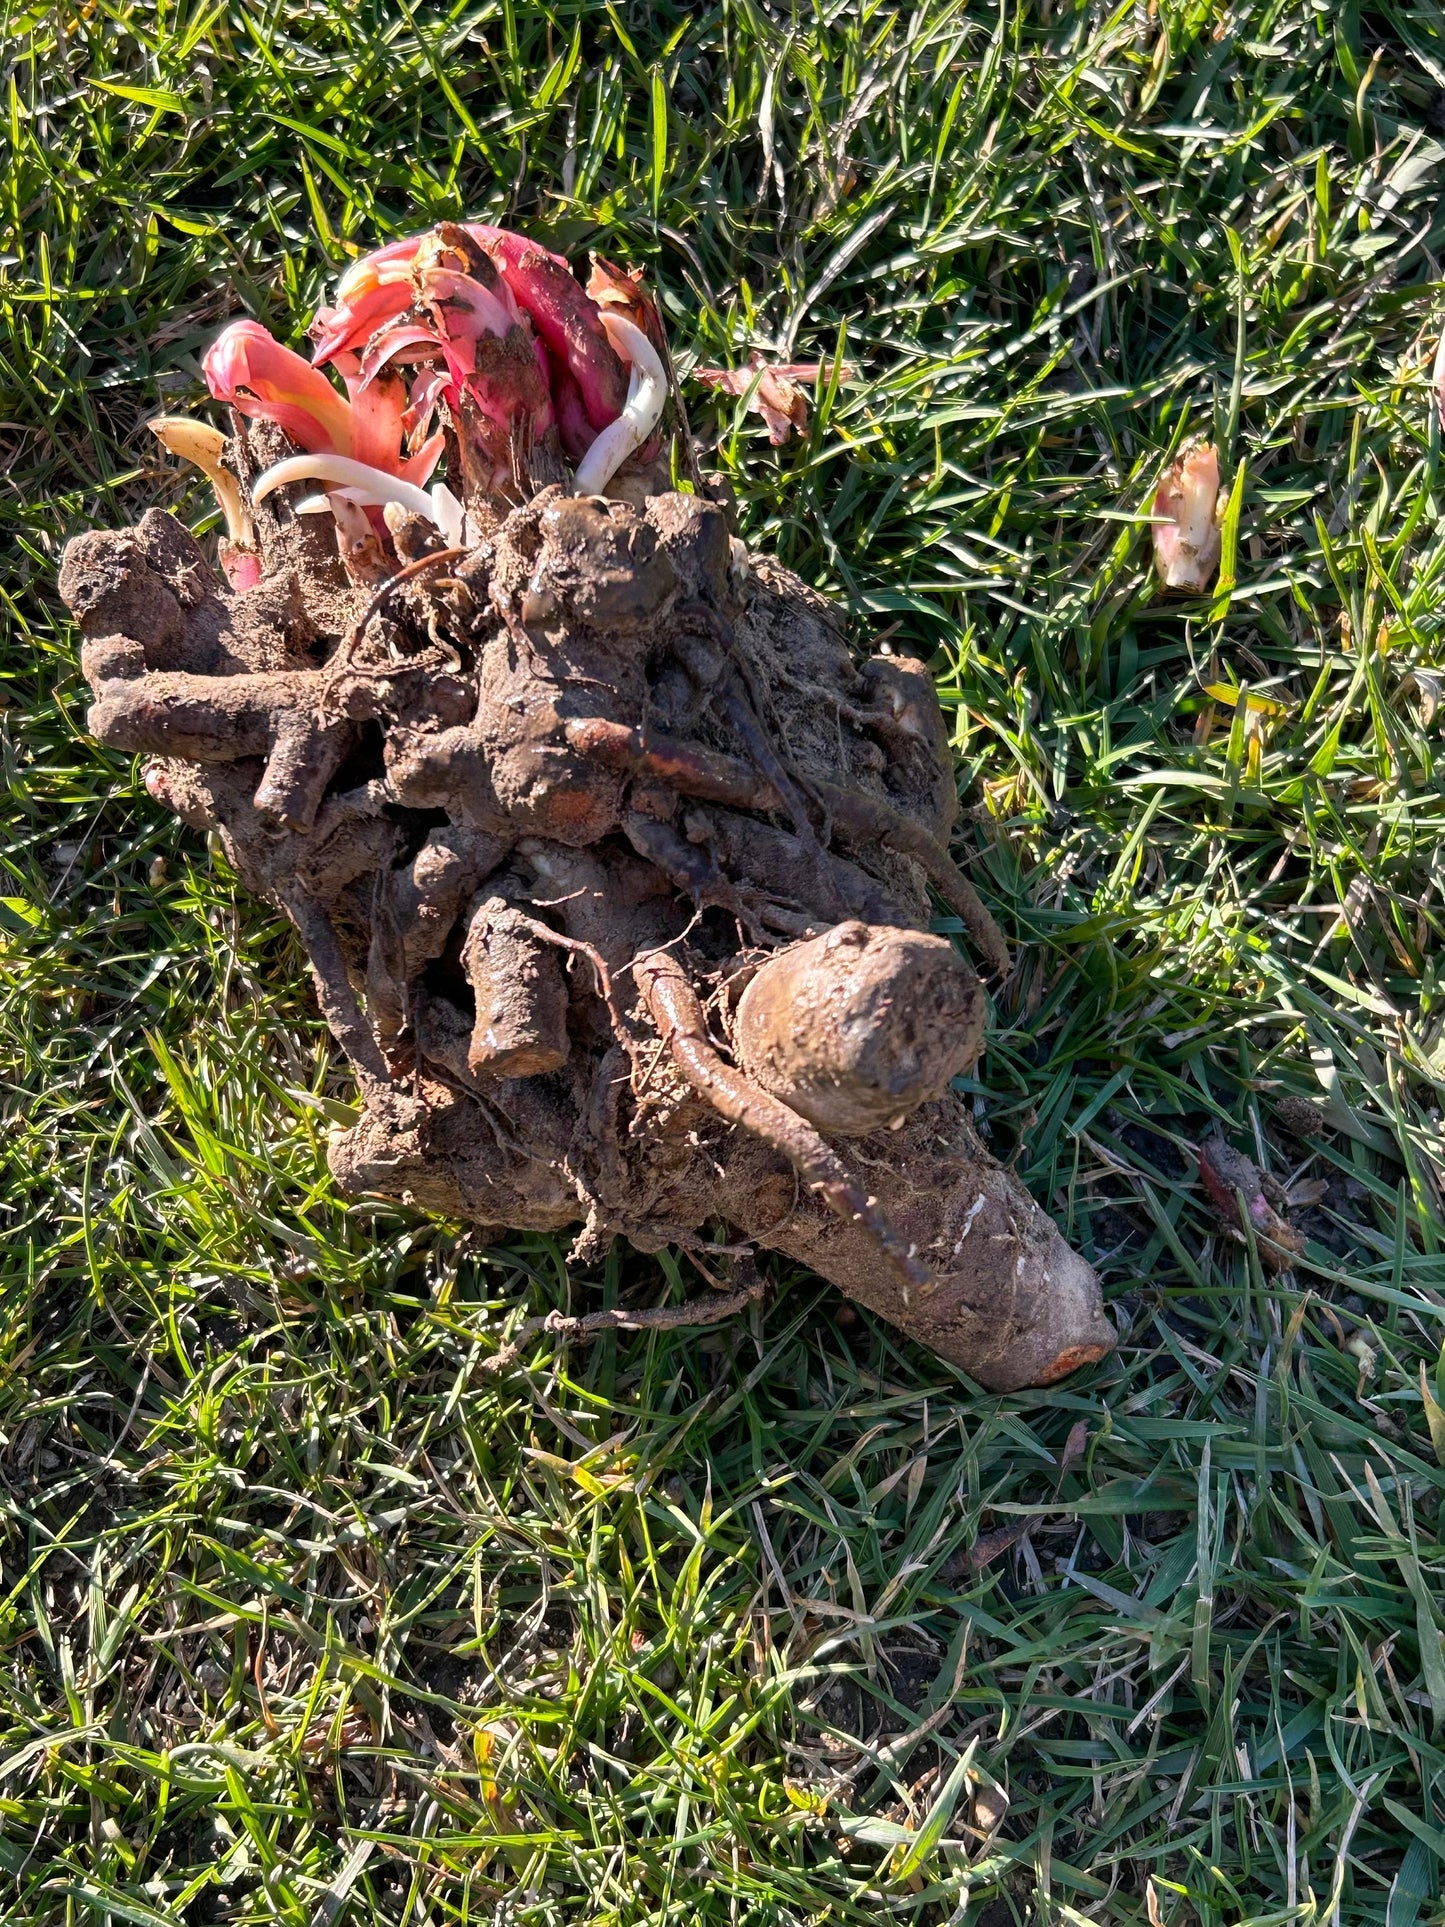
856, 1029
614, 870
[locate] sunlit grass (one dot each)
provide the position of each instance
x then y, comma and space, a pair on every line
305, 1615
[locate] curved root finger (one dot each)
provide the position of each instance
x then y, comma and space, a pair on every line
334, 993
695, 770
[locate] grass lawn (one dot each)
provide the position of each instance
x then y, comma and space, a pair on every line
304, 1618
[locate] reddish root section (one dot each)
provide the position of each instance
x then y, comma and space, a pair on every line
613, 867
1236, 1190
694, 770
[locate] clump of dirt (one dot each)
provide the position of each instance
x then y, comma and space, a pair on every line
614, 870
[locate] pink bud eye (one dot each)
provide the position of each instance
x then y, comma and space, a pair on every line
247, 367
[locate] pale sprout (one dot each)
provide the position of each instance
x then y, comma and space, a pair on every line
646, 396
1186, 520
369, 486
203, 445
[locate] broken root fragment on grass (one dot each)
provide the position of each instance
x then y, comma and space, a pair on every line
612, 863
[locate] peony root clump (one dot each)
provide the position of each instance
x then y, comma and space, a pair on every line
613, 863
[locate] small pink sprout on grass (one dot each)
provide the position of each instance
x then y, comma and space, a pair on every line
772, 390
1186, 520
1229, 1179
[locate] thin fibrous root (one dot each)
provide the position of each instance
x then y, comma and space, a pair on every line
334, 993
423, 565
694, 770
740, 702
580, 1331
675, 1009
865, 817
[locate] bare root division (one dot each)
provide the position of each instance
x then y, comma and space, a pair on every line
614, 868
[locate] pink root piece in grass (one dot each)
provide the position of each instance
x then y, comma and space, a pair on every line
1186, 528
1235, 1189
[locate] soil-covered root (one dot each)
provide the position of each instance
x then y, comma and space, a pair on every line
673, 1005
521, 995
1005, 1298
857, 1028
613, 867
1239, 1193
975, 1271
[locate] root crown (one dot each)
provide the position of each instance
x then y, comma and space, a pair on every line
614, 868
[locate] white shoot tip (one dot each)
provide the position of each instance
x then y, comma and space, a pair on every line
371, 486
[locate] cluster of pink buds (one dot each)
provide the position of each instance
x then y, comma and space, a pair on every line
468, 341
468, 329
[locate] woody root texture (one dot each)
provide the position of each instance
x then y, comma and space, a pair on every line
613, 861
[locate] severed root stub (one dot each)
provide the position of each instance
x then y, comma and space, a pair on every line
613, 864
